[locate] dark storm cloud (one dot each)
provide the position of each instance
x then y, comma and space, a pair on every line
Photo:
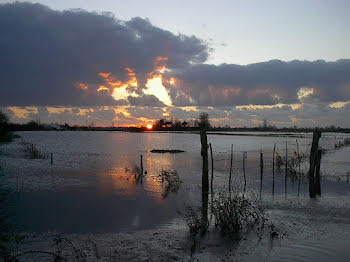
264, 83
44, 53
145, 100
54, 58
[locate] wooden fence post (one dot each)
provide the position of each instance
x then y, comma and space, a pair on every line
286, 171
205, 179
299, 160
212, 168
245, 180
204, 153
229, 180
318, 172
313, 157
141, 166
261, 169
273, 169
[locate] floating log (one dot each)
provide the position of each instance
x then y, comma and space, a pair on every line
171, 151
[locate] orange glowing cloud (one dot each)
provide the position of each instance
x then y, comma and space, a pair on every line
82, 86
155, 87
304, 92
104, 75
172, 81
160, 64
23, 112
338, 104
120, 89
102, 88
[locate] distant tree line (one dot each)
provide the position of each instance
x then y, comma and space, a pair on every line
176, 124
172, 124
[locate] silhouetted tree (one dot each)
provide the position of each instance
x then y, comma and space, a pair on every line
33, 125
204, 120
159, 123
177, 124
5, 134
265, 123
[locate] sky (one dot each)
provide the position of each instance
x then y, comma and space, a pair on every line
132, 62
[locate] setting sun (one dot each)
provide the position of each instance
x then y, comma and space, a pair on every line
149, 126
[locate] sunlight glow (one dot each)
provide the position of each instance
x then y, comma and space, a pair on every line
102, 88
121, 90
23, 112
159, 64
338, 104
155, 87
149, 126
172, 81
305, 92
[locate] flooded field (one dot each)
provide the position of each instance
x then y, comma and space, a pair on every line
90, 187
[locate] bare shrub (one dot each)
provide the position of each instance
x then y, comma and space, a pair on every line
293, 161
32, 152
235, 212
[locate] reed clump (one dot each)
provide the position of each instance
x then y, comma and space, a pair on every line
340, 144
138, 174
171, 182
